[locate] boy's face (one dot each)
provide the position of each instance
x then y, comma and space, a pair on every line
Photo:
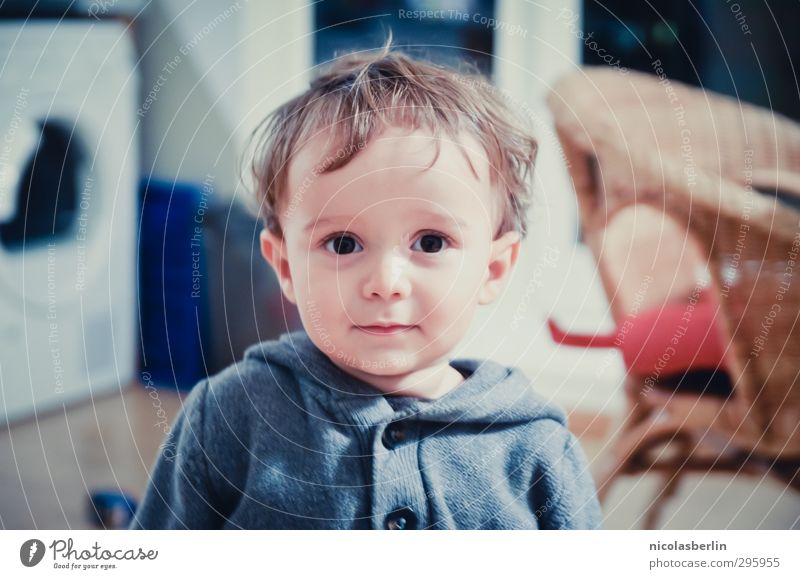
386, 241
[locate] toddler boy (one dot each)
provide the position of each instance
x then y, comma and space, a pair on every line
394, 194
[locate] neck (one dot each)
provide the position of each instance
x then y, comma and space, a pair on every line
428, 383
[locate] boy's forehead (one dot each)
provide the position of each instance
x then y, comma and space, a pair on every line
395, 148
395, 153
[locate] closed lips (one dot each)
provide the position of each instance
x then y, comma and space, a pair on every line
385, 329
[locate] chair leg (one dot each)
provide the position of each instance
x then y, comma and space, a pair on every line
672, 481
607, 478
630, 448
653, 513
622, 451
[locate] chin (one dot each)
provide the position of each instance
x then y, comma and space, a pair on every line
384, 366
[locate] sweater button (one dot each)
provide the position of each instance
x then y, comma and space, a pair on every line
394, 435
401, 520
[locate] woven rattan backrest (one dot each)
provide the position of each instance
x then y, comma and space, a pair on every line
721, 171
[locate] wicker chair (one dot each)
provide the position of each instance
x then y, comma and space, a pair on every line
682, 193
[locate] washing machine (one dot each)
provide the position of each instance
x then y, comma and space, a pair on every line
68, 184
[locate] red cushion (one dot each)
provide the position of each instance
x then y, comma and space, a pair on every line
667, 340
675, 338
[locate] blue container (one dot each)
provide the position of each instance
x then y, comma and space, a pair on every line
173, 294
111, 509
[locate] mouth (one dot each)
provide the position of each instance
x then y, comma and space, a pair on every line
385, 330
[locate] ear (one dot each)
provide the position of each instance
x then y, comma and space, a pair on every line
274, 251
505, 251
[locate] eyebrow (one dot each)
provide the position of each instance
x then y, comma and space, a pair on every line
325, 220
431, 214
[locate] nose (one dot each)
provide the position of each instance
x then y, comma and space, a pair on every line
387, 277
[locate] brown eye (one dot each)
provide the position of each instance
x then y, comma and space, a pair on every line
430, 243
341, 244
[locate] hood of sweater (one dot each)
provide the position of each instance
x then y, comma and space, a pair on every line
491, 393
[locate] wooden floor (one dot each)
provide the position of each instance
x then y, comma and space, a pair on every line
49, 466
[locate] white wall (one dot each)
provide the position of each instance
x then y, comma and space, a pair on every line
211, 71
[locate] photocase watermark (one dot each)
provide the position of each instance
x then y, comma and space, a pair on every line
689, 165
638, 299
196, 240
785, 281
741, 19
53, 334
94, 556
341, 153
544, 508
680, 331
100, 8
766, 326
8, 167
664, 81
152, 96
463, 16
168, 448
31, 552
630, 319
81, 233
549, 259
570, 18
732, 262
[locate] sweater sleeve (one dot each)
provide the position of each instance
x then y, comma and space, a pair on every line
565, 494
179, 494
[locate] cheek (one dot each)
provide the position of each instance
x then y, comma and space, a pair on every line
457, 289
465, 273
449, 299
328, 287
319, 274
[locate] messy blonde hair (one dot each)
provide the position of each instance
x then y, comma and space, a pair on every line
362, 93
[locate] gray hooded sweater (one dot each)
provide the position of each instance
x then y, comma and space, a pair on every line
285, 439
